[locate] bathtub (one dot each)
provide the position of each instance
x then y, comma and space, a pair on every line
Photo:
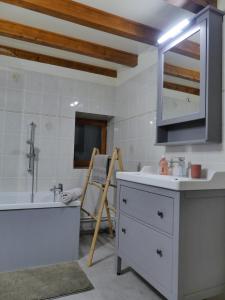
39, 233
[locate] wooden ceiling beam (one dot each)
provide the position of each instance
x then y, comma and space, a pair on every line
194, 6
91, 17
181, 88
59, 41
180, 72
51, 60
188, 48
94, 18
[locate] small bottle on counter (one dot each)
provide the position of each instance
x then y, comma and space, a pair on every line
163, 166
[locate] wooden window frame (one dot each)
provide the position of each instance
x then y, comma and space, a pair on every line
84, 164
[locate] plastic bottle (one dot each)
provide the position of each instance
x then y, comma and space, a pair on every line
163, 166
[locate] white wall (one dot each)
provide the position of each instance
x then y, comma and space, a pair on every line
27, 96
135, 124
134, 130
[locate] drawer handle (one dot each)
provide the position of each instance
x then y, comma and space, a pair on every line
159, 253
124, 230
124, 201
160, 214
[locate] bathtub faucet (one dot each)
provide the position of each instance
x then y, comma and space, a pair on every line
57, 189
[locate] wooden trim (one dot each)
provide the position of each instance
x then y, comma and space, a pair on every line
91, 17
194, 6
56, 61
81, 164
181, 88
180, 72
59, 41
93, 122
104, 140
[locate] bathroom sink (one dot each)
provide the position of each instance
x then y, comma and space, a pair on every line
214, 180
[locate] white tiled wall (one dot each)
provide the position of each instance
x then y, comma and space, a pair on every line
135, 127
135, 121
27, 96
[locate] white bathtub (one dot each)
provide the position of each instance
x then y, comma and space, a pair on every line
22, 200
39, 233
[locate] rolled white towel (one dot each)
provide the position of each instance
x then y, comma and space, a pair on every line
71, 195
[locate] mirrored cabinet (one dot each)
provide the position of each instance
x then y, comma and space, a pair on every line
189, 109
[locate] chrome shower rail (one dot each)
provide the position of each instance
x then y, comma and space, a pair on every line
31, 156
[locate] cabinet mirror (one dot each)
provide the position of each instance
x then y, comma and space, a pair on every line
182, 92
189, 106
181, 79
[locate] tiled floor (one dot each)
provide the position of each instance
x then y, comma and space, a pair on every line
109, 286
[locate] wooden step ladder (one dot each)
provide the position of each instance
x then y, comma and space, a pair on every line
104, 188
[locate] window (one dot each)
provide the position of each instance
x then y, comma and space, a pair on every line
89, 133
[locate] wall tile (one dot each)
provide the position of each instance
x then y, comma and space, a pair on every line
16, 80
66, 87
48, 147
2, 121
3, 77
67, 128
49, 126
14, 100
2, 97
65, 109
50, 84
13, 122
12, 144
10, 166
47, 168
45, 100
33, 102
33, 81
50, 104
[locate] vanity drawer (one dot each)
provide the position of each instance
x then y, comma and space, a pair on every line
153, 209
148, 252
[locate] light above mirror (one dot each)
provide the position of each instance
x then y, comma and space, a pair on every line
174, 31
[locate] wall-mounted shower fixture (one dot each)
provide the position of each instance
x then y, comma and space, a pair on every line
32, 155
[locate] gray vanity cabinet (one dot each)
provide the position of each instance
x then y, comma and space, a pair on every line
174, 240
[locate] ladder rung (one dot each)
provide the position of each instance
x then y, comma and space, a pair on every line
101, 186
89, 214
96, 184
113, 185
112, 208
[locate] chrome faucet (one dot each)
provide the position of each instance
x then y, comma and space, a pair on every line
57, 189
181, 165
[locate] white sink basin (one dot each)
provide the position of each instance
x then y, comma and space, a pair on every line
215, 180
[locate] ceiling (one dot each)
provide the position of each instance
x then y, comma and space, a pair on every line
156, 13
150, 12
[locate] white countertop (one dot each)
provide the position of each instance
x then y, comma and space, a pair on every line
215, 180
